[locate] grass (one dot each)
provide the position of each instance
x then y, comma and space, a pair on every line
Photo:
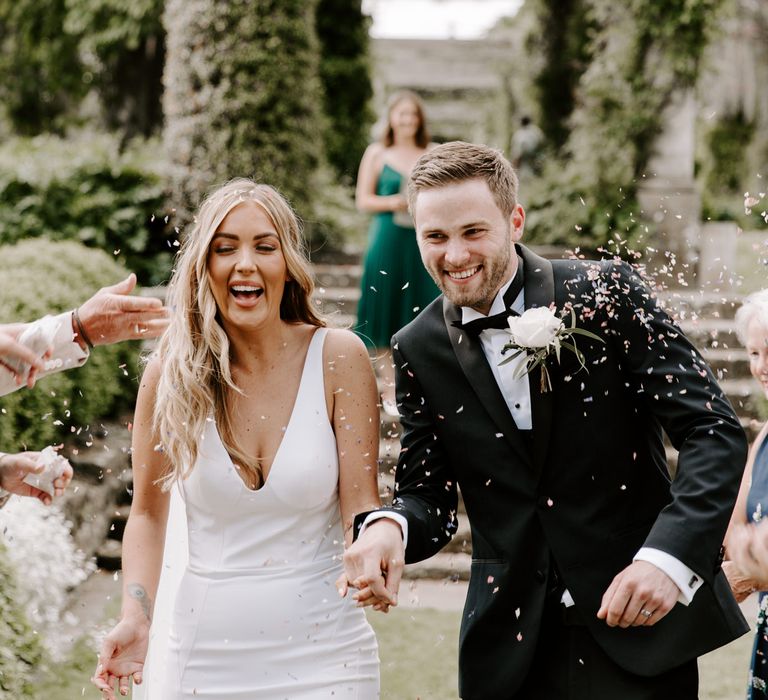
70, 679
418, 658
418, 649
723, 672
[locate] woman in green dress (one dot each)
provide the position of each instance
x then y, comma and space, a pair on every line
395, 285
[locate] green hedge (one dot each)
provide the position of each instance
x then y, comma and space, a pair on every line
40, 276
84, 189
242, 97
20, 649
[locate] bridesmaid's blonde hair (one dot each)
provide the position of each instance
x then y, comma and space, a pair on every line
195, 376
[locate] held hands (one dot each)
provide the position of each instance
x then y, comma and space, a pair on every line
741, 586
111, 315
15, 467
638, 590
121, 657
374, 565
748, 548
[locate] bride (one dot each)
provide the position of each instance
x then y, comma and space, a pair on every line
265, 423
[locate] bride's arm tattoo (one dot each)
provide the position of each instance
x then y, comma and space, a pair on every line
137, 591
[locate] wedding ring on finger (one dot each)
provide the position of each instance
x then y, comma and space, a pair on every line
645, 613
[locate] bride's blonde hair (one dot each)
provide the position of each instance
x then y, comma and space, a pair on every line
195, 375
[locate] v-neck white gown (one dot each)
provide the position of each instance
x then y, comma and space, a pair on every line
257, 615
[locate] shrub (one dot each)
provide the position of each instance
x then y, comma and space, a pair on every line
46, 565
342, 31
242, 96
39, 277
20, 650
84, 189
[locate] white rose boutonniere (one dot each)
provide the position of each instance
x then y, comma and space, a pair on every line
539, 332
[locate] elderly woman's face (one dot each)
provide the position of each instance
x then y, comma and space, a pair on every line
757, 349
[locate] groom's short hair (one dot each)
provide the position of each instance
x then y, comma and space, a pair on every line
457, 161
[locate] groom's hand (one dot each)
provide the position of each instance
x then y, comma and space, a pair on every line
373, 564
638, 590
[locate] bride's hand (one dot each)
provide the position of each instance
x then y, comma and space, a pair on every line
121, 657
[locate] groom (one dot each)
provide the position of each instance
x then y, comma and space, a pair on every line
595, 574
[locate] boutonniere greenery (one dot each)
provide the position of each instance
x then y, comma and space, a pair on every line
539, 333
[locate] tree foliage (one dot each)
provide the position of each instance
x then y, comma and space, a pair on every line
44, 277
20, 649
565, 43
342, 31
41, 75
53, 52
242, 97
83, 188
642, 53
122, 45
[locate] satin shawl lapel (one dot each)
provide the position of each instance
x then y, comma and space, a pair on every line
539, 291
469, 353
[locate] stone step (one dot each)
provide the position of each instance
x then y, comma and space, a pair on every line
109, 555
452, 566
330, 275
692, 305
714, 333
390, 426
727, 363
744, 397
341, 320
117, 524
462, 540
752, 427
333, 300
389, 451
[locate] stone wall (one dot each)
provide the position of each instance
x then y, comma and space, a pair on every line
461, 82
102, 477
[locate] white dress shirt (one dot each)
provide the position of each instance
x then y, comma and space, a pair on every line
516, 393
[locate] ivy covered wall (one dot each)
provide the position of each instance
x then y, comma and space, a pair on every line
242, 96
640, 53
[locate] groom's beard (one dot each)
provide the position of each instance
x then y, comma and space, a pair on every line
495, 272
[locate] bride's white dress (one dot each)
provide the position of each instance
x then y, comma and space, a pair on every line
257, 614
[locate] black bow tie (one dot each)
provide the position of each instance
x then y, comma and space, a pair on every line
478, 325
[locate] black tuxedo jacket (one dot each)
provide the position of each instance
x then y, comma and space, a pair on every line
592, 486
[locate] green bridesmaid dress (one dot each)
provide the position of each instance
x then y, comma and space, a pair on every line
395, 285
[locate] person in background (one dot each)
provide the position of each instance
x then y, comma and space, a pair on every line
527, 145
747, 564
395, 285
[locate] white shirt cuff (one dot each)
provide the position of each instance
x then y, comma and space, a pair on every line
687, 580
67, 352
379, 514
